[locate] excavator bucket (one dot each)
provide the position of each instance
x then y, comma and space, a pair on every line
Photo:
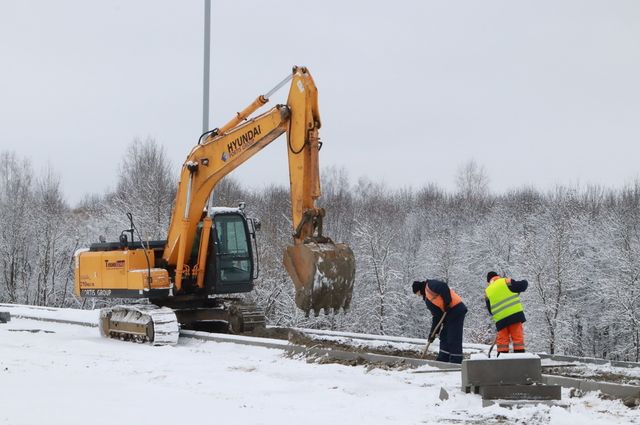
323, 275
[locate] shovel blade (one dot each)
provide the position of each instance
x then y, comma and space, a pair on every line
322, 274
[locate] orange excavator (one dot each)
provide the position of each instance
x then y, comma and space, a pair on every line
213, 254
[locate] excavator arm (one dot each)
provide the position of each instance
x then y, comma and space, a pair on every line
322, 272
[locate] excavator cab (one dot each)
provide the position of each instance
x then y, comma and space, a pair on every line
232, 263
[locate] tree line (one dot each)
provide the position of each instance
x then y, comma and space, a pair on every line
578, 248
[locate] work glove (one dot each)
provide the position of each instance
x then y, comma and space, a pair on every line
417, 286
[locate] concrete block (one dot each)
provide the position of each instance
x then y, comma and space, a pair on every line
521, 392
5, 316
502, 370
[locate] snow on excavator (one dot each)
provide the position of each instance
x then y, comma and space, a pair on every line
180, 278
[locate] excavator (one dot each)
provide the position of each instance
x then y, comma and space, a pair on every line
190, 278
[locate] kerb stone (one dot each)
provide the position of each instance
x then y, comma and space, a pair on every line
501, 371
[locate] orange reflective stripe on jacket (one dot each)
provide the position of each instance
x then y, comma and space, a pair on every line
438, 301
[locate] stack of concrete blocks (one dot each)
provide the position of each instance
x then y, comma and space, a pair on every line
5, 316
512, 376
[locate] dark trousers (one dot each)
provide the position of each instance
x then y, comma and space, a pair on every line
451, 339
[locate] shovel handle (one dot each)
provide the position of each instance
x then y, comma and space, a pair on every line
436, 332
491, 348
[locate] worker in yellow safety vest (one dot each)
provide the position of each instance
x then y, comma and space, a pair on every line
503, 302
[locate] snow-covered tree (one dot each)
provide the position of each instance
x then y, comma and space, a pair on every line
146, 188
16, 231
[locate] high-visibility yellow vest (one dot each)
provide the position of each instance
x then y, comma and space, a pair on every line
503, 302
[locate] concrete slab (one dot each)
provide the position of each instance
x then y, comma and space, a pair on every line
615, 390
592, 360
500, 371
521, 392
510, 404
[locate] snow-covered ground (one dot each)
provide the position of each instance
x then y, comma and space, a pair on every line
70, 314
68, 374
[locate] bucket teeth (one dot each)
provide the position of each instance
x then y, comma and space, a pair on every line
245, 318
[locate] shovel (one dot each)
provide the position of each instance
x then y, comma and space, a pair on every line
491, 348
436, 332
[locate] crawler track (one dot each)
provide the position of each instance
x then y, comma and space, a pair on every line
140, 323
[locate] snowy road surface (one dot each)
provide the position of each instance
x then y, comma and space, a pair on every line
66, 374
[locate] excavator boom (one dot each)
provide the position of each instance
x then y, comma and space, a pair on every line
322, 272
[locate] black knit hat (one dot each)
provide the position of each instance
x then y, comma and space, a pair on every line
418, 286
491, 275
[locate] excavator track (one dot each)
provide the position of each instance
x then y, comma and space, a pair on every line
245, 318
140, 323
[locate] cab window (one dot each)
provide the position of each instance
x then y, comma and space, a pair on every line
234, 259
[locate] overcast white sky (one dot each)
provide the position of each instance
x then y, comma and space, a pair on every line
540, 92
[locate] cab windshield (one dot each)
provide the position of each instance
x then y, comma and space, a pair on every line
234, 258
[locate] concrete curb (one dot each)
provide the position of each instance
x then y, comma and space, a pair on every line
592, 360
614, 390
318, 352
63, 321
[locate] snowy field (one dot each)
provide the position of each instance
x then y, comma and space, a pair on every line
54, 373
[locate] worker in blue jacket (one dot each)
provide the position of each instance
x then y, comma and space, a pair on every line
441, 299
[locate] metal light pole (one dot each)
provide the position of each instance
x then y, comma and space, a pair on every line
205, 82
205, 85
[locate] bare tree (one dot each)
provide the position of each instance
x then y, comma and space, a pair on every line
16, 208
53, 241
146, 188
273, 288
378, 275
337, 198
552, 260
472, 181
379, 288
623, 280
